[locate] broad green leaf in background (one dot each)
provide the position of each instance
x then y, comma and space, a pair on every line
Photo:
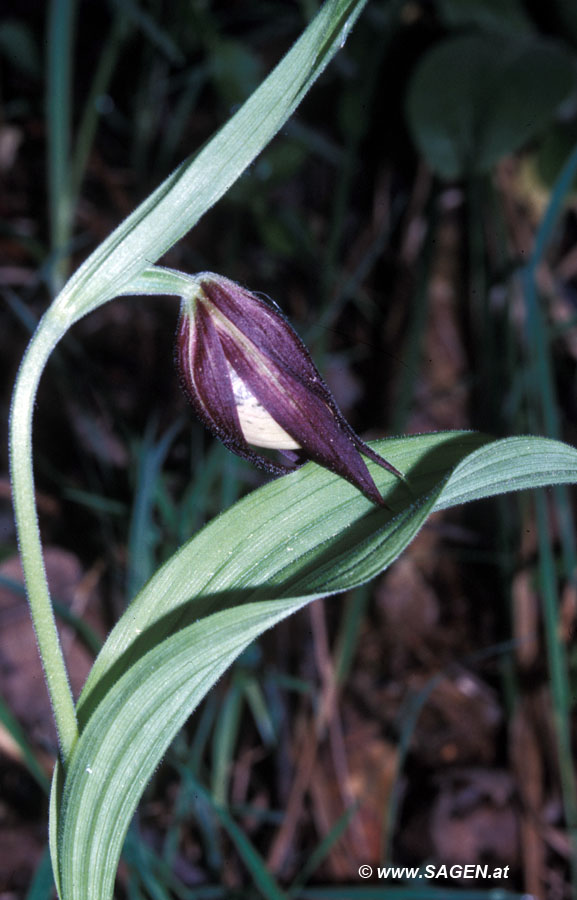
504, 16
475, 98
235, 70
566, 13
17, 45
553, 152
298, 538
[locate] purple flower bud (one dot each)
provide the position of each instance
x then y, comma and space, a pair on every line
252, 381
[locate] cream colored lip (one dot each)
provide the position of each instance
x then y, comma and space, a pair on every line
258, 426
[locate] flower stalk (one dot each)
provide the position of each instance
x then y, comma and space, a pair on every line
45, 339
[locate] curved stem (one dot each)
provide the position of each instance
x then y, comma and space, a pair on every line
49, 332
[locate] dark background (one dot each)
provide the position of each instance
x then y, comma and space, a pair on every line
390, 219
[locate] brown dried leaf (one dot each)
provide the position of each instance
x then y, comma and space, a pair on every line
473, 820
525, 619
458, 723
527, 762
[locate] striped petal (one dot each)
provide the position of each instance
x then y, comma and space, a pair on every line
252, 381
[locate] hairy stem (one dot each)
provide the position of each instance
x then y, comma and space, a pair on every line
46, 337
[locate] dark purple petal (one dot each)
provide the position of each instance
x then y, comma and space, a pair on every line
325, 437
265, 326
277, 341
235, 327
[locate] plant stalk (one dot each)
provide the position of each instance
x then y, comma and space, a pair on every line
49, 332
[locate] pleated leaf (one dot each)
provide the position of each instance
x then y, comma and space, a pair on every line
301, 537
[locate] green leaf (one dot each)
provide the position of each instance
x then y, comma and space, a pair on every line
542, 169
300, 537
18, 46
235, 70
180, 201
505, 16
566, 12
475, 98
42, 885
18, 735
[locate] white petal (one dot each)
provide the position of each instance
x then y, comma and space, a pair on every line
258, 426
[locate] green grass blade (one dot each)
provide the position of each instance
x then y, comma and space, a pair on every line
61, 22
558, 668
225, 738
259, 708
107, 60
142, 540
150, 28
42, 884
323, 849
543, 402
255, 864
18, 735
